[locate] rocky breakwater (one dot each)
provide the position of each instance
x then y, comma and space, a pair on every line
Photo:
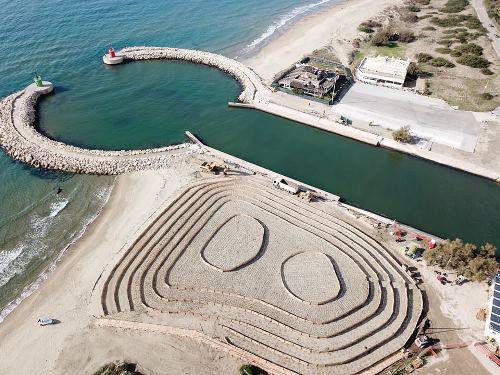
252, 86
20, 139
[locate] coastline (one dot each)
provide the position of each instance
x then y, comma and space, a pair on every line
315, 31
273, 51
134, 199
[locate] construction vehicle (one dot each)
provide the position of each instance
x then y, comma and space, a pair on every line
215, 168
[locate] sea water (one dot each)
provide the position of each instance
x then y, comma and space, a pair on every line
63, 41
152, 103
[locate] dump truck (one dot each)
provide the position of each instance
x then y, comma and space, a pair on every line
282, 184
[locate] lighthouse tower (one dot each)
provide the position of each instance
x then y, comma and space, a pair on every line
111, 58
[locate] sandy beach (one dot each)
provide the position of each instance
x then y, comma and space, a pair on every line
76, 345
335, 26
68, 293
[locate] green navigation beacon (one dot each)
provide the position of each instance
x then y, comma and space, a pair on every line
38, 80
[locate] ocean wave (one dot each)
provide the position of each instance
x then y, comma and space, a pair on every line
40, 230
283, 21
57, 207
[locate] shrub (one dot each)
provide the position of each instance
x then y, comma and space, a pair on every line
486, 96
454, 6
486, 72
443, 50
441, 62
423, 57
406, 36
381, 38
448, 21
471, 48
371, 24
428, 28
466, 259
409, 17
251, 370
365, 29
445, 42
473, 61
473, 23
402, 135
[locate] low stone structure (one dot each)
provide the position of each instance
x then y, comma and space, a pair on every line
272, 302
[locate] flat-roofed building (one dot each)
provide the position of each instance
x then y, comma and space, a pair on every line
492, 329
383, 70
310, 80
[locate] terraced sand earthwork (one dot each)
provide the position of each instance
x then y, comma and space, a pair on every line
269, 274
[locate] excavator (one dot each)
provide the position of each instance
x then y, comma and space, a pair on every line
215, 168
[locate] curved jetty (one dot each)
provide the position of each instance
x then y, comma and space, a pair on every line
248, 79
22, 141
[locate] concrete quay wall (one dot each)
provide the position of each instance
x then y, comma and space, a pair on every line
371, 139
20, 140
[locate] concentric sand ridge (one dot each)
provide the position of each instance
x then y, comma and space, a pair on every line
370, 311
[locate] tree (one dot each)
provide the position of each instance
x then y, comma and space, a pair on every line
403, 135
465, 258
381, 38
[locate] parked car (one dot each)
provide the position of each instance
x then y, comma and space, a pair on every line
422, 341
45, 321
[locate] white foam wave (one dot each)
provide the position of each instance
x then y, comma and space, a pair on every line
102, 195
57, 207
283, 21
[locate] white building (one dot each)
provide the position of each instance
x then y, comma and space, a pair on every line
382, 70
492, 329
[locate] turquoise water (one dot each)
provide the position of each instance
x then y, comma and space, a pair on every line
64, 41
153, 103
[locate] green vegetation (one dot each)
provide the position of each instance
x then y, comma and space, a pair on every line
449, 21
493, 9
365, 29
470, 48
402, 135
381, 38
473, 22
473, 61
468, 260
427, 88
443, 50
423, 57
251, 370
454, 6
118, 368
486, 72
486, 96
445, 42
413, 8
406, 36
441, 62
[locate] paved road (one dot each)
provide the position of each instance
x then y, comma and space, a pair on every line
427, 117
486, 21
